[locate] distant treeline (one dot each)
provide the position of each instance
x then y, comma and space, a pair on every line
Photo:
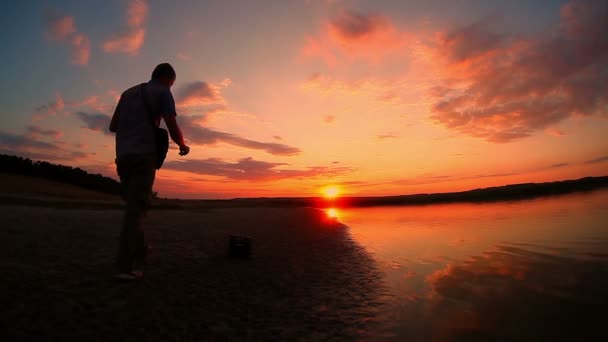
59, 173
493, 194
499, 193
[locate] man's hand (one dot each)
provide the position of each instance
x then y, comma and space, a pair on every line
183, 150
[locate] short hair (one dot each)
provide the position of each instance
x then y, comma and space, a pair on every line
163, 70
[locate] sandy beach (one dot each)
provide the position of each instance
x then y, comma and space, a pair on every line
307, 279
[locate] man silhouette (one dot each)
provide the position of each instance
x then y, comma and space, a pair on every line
139, 108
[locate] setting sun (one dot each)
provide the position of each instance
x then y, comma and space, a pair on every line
331, 191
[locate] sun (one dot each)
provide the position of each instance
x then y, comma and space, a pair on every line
331, 191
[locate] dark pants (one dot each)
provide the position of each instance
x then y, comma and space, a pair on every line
136, 174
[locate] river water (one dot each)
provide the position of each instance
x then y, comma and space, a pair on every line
523, 270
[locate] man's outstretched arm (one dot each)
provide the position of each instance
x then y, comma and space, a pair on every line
176, 134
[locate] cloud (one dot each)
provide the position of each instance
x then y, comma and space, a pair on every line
200, 93
60, 28
28, 145
597, 160
129, 42
61, 106
14, 142
507, 88
382, 91
205, 136
132, 39
555, 132
353, 26
50, 156
81, 49
250, 169
329, 119
559, 165
386, 136
351, 34
63, 29
471, 41
183, 57
34, 132
50, 108
137, 13
95, 121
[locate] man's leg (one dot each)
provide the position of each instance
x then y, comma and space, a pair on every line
137, 176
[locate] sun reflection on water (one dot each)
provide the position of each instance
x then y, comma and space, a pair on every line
332, 213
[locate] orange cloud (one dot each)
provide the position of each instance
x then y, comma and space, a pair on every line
555, 132
329, 119
505, 88
386, 136
351, 34
132, 39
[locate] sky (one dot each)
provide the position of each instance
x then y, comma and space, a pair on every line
284, 98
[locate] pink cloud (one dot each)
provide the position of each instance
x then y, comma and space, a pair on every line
137, 13
81, 49
63, 29
131, 40
60, 28
505, 88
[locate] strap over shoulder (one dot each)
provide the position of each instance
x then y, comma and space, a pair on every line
145, 98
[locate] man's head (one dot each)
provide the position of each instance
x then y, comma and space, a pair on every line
164, 73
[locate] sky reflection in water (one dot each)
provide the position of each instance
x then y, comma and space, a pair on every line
521, 270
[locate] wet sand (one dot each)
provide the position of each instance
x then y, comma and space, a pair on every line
307, 279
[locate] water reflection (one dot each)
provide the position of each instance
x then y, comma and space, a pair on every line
529, 270
332, 213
